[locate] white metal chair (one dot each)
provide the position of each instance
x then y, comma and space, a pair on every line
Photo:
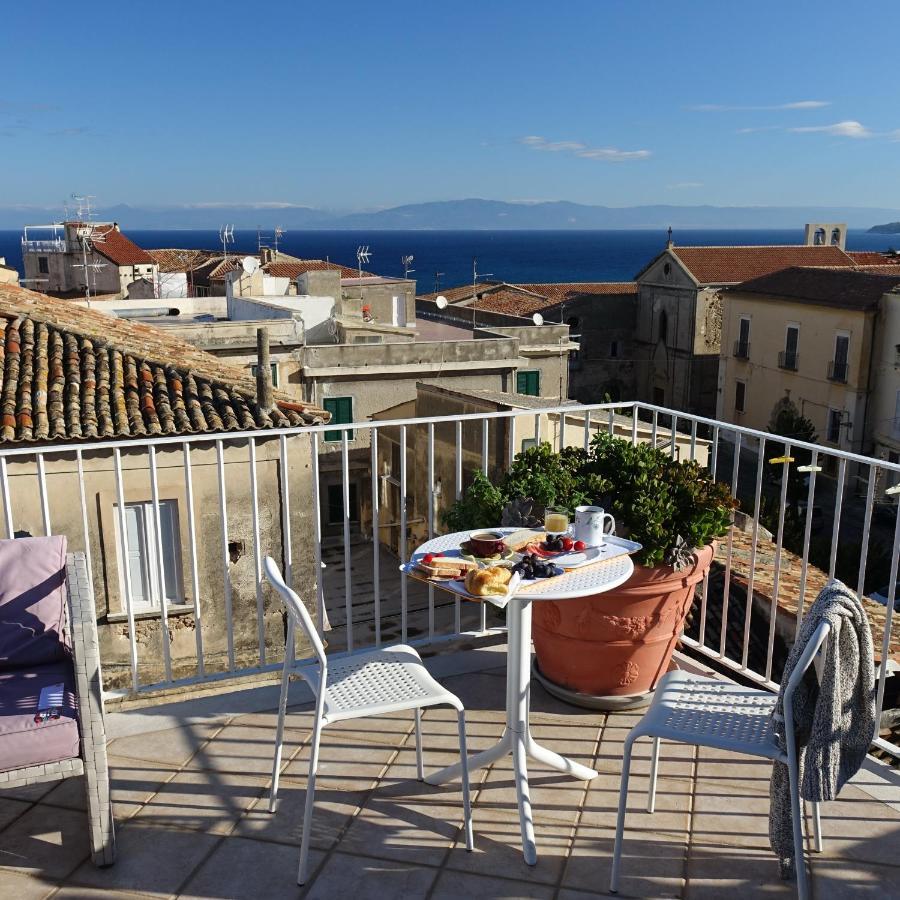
706, 712
365, 684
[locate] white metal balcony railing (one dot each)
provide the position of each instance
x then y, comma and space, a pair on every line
50, 246
69, 485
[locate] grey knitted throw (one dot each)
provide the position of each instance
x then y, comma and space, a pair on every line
834, 718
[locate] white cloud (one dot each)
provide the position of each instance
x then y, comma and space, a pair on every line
849, 128
684, 185
724, 107
607, 154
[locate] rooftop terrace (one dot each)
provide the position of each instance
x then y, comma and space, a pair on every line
190, 780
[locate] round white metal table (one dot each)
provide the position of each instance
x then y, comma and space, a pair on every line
516, 738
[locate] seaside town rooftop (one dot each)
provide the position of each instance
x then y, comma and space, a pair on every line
108, 418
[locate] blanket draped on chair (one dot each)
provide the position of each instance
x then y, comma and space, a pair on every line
834, 714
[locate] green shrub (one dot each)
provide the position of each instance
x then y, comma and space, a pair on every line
670, 507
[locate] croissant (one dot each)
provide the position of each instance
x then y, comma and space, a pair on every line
490, 582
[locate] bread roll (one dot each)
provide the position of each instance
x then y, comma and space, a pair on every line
490, 582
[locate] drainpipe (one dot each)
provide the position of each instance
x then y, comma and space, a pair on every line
264, 397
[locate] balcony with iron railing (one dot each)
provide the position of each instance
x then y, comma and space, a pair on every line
198, 622
741, 349
787, 359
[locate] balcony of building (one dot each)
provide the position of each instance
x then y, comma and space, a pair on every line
191, 718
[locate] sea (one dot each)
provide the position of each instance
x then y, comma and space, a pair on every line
443, 259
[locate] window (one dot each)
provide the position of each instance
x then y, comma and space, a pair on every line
837, 371
662, 328
819, 237
143, 562
573, 323
614, 349
659, 396
833, 426
740, 396
529, 382
273, 366
742, 346
43, 265
341, 409
788, 357
368, 339
528, 443
836, 237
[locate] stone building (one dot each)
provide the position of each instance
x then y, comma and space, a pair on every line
194, 514
678, 334
69, 258
825, 339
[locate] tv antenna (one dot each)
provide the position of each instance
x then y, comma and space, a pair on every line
362, 256
226, 236
89, 236
407, 265
475, 276
85, 210
437, 281
279, 233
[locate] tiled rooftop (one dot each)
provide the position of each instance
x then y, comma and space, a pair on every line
117, 248
70, 372
840, 288
730, 265
190, 781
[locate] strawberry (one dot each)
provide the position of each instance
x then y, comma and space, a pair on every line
428, 559
568, 544
580, 545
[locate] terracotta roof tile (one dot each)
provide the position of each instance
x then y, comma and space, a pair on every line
111, 243
873, 258
68, 372
296, 268
179, 260
730, 265
835, 287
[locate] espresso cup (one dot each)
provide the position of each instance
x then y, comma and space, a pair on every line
486, 543
592, 525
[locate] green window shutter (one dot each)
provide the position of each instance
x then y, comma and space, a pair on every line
528, 383
341, 409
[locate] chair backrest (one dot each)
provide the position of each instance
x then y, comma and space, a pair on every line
296, 608
813, 646
33, 602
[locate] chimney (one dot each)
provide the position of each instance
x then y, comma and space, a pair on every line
264, 397
265, 255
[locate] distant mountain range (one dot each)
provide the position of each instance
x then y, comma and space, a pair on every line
465, 215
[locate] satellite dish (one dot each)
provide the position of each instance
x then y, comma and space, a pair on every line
538, 319
441, 302
249, 264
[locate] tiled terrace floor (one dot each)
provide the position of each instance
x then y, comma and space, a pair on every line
190, 780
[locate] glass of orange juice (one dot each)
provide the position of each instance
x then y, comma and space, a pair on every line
556, 520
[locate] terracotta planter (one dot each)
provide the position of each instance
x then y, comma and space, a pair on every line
617, 644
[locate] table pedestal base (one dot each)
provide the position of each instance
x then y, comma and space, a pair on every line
516, 738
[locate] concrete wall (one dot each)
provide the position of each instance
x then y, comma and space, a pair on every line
100, 497
809, 387
884, 407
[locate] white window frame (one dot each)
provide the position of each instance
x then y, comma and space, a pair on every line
742, 319
151, 588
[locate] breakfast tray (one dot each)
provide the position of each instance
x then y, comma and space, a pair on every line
613, 567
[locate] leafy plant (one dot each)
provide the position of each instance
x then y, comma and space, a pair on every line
671, 508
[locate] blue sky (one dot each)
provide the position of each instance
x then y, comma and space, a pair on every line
349, 105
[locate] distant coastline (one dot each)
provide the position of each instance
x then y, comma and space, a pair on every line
888, 228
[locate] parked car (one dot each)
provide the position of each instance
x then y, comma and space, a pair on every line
881, 596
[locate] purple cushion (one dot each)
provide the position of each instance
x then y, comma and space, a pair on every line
32, 601
24, 742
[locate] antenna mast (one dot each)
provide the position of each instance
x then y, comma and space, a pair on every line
226, 236
407, 263
362, 256
475, 276
89, 238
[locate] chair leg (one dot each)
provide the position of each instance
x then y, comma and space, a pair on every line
302, 871
279, 736
654, 771
464, 763
420, 766
818, 843
100, 815
620, 821
797, 825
